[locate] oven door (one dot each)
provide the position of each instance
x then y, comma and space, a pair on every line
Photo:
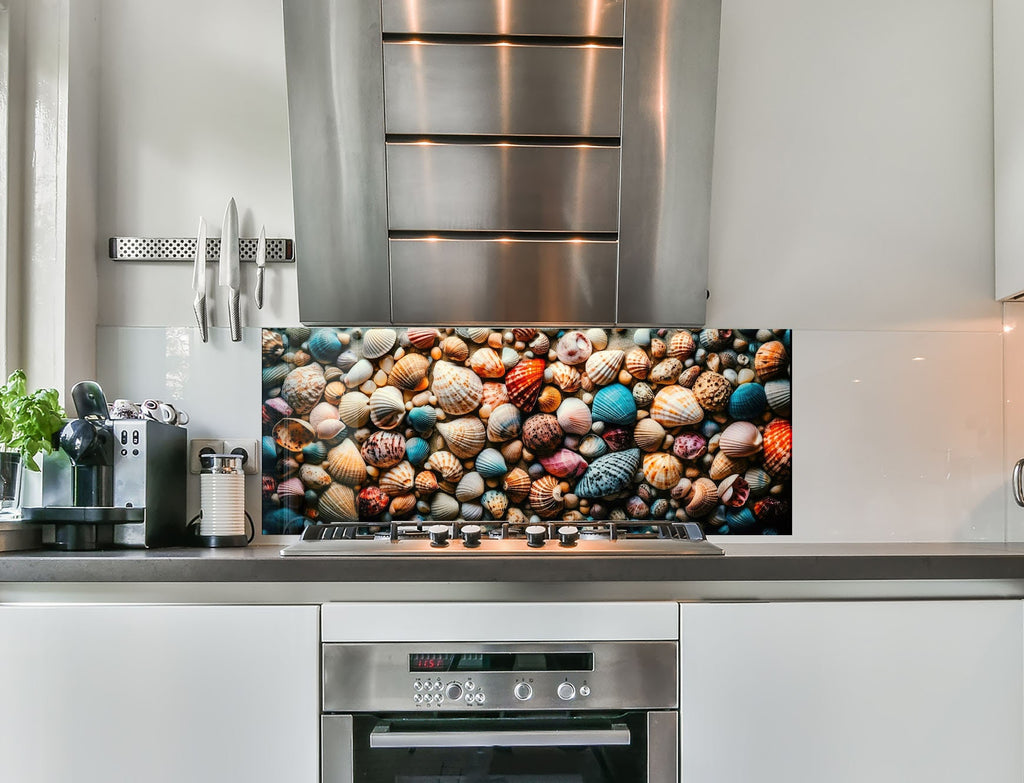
631, 747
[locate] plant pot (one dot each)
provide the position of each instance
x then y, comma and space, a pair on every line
11, 470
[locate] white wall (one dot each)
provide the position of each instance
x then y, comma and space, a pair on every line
852, 202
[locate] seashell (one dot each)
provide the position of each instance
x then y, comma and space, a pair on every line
648, 434
618, 438
274, 410
268, 447
422, 337
609, 475
740, 520
517, 484
454, 350
541, 434
297, 358
676, 406
772, 511
465, 437
377, 342
759, 480
471, 512
302, 388
512, 451
372, 502
273, 347
681, 345
748, 401
636, 508
292, 492
598, 338
329, 429
715, 339
346, 360
423, 418
383, 449
359, 373
689, 376
614, 404
643, 395
314, 453
494, 394
662, 471
702, 498
723, 465
495, 503
287, 467
689, 445
334, 391
504, 424
446, 465
666, 371
294, 434
387, 407
402, 506
733, 491
564, 464
516, 516
574, 416
416, 451
603, 366
274, 375
297, 335
546, 496
338, 504
592, 447
638, 363
712, 391
524, 335
486, 363
476, 334
314, 477
426, 483
549, 399
510, 357
354, 409
490, 464
740, 439
321, 412
778, 448
345, 463
566, 378
324, 345
778, 395
458, 389
399, 480
409, 371
770, 360
540, 345
573, 348
471, 486
443, 507
523, 382
658, 348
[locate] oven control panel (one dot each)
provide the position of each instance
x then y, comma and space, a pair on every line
440, 692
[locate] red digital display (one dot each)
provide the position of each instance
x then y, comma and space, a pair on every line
430, 662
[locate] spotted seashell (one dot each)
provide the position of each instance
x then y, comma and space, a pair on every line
324, 345
409, 371
446, 465
733, 491
564, 464
549, 399
759, 480
387, 407
689, 376
512, 451
574, 416
712, 391
609, 475
598, 338
740, 439
399, 480
274, 375
603, 366
540, 345
662, 471
426, 483
715, 339
465, 437
524, 335
778, 448
338, 504
302, 388
566, 378
541, 434
354, 409
666, 371
423, 418
517, 484
372, 502
770, 360
486, 363
314, 477
377, 342
422, 337
444, 508
676, 406
416, 451
523, 383
495, 503
546, 496
516, 516
345, 463
643, 395
494, 394
689, 445
592, 447
454, 349
681, 345
274, 410
614, 404
702, 498
330, 429
723, 465
636, 508
458, 389
748, 401
491, 464
618, 438
778, 394
658, 348
402, 507
314, 453
294, 435
505, 423
359, 373
273, 347
470, 487
383, 449
638, 363
648, 434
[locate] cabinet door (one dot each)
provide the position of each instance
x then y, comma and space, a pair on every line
162, 694
852, 692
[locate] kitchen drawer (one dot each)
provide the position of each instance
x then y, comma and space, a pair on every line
504, 17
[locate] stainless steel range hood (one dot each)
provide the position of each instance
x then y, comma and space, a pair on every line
502, 161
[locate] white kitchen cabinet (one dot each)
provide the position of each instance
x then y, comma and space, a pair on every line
1008, 132
161, 694
900, 692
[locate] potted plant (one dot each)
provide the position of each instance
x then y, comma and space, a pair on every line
28, 423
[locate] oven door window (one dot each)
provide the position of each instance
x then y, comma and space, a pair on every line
521, 749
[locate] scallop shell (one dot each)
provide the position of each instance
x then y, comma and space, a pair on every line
302, 388
383, 449
603, 366
314, 477
444, 508
598, 338
689, 376
658, 348
345, 463
712, 391
274, 410
524, 335
422, 337
399, 480
377, 342
681, 345
549, 399
512, 451
662, 471
702, 498
409, 371
778, 394
292, 492
314, 453
715, 339
273, 347
471, 512
334, 391
676, 406
338, 504
465, 437
275, 374
359, 373
618, 438
446, 465
778, 448
416, 451
636, 508
387, 407
523, 383
454, 349
770, 360
564, 464
426, 483
748, 401
566, 378
546, 496
494, 394
495, 503
614, 404
490, 464
476, 334
294, 434
638, 363
402, 506
733, 491
486, 363
723, 465
505, 423
324, 345
759, 480
330, 429
574, 416
541, 434
648, 434
740, 439
372, 502
510, 357
354, 409
422, 418
322, 411
592, 447
297, 335
643, 395
458, 389
470, 487
573, 348
609, 475
346, 360
689, 445
517, 484
666, 371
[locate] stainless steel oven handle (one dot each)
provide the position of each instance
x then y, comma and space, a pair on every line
1018, 488
383, 737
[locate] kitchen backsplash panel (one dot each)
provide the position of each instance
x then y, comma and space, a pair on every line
513, 424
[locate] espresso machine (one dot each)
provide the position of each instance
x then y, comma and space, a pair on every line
117, 482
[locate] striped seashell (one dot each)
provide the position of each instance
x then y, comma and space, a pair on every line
423, 418
603, 366
517, 484
446, 465
778, 448
454, 349
715, 339
574, 416
346, 360
332, 373
458, 389
740, 439
494, 394
268, 448
564, 464
338, 504
648, 434
330, 429
345, 463
723, 465
643, 395
495, 503
273, 347
303, 387
334, 391
274, 375
297, 335
486, 363
636, 508
399, 480
314, 477
314, 453
491, 464
387, 407
402, 507
512, 451
444, 508
748, 401
294, 434
598, 338
759, 480
549, 399
689, 445
476, 334
638, 363
324, 345
666, 371
383, 449
510, 357
297, 358
465, 437
524, 335
416, 451
540, 345
618, 438
662, 471
740, 520
409, 371
681, 345
359, 374
712, 391
287, 467
470, 487
292, 492
778, 395
614, 404
609, 475
772, 511
505, 423
323, 411
541, 434
471, 512
770, 360
592, 447
676, 406
733, 491
523, 383
372, 502
689, 376
566, 378
354, 409
681, 490
546, 496
426, 483
274, 410
702, 498
422, 337
573, 348
377, 342
658, 348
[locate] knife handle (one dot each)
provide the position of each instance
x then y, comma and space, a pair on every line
258, 294
234, 317
199, 306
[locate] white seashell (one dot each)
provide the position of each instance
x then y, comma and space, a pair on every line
446, 465
387, 407
740, 439
470, 487
354, 409
574, 416
465, 437
505, 423
675, 406
458, 389
598, 338
360, 373
444, 507
400, 480
603, 366
377, 342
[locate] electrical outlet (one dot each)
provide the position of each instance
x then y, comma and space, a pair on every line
198, 446
249, 448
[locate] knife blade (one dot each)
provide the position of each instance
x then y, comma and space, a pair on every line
199, 282
261, 262
229, 274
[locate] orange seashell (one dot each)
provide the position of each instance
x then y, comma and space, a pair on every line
454, 349
409, 371
422, 337
712, 391
523, 383
294, 434
658, 348
402, 506
675, 406
682, 345
549, 400
662, 471
400, 480
446, 465
603, 366
426, 483
345, 463
338, 504
494, 394
487, 363
465, 437
778, 448
546, 496
648, 434
524, 335
723, 465
702, 498
566, 378
517, 485
638, 363
770, 360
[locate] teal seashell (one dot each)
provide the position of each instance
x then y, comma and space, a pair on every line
269, 449
779, 396
740, 520
747, 401
614, 404
592, 447
311, 496
709, 428
274, 375
416, 451
610, 474
314, 453
283, 521
490, 464
423, 418
758, 480
324, 345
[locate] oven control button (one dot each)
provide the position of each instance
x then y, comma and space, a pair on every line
417, 699
438, 535
584, 690
479, 698
453, 691
438, 698
535, 535
469, 698
522, 691
470, 685
471, 535
568, 535
566, 691
417, 686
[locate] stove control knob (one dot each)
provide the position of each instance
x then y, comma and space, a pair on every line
535, 535
523, 691
566, 691
568, 535
584, 690
471, 535
438, 535
453, 692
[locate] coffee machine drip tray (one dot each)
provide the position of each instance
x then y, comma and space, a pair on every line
90, 515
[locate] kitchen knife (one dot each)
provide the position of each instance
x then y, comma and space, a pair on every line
229, 275
261, 262
199, 281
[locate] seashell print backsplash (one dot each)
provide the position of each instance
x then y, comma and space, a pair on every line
514, 425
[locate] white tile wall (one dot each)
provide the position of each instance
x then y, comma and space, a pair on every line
1013, 396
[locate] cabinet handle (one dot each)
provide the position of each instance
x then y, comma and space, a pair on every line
1018, 488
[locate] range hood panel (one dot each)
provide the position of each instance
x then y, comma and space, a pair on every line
592, 18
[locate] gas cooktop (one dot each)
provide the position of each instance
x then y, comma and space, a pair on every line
458, 538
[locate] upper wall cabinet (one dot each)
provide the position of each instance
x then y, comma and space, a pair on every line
502, 161
1008, 106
